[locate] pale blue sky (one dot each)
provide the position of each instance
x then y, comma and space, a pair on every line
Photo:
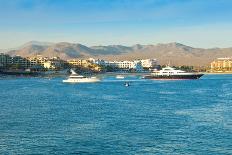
198, 23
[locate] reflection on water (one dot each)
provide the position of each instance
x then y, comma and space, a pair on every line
41, 116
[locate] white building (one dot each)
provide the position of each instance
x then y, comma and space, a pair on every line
136, 64
99, 62
53, 63
125, 64
149, 63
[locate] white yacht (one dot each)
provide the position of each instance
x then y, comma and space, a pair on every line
172, 73
75, 78
120, 77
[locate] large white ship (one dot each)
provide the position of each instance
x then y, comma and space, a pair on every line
172, 73
75, 78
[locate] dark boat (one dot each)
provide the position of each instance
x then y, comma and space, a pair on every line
169, 73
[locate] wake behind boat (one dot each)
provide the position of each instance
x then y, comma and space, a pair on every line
75, 78
169, 73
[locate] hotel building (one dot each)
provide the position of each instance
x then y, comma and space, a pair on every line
79, 62
136, 64
221, 65
36, 62
5, 60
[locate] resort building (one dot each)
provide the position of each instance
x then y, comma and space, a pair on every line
51, 65
54, 63
221, 65
20, 62
36, 63
125, 64
16, 62
5, 60
149, 63
48, 63
135, 64
37, 60
87, 64
75, 62
79, 62
39, 63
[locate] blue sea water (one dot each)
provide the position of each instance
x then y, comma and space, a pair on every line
41, 116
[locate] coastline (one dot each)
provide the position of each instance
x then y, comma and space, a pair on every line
216, 73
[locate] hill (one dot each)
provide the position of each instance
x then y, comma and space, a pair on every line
175, 53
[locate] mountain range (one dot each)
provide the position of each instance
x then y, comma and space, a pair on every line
174, 53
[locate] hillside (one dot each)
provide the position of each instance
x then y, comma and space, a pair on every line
175, 53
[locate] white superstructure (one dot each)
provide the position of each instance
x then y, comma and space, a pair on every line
170, 71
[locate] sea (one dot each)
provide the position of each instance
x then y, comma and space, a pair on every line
43, 116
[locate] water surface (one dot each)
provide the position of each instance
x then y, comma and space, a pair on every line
42, 116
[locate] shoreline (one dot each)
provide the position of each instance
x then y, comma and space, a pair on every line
215, 73
98, 74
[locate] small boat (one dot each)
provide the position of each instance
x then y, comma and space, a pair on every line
169, 73
120, 77
75, 78
126, 84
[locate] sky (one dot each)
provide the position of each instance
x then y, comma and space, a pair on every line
197, 23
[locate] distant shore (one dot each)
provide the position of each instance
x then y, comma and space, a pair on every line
215, 73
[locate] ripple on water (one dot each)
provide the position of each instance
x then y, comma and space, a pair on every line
217, 115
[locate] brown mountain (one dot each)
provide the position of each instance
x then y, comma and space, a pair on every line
175, 53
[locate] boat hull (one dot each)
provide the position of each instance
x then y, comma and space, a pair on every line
174, 77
